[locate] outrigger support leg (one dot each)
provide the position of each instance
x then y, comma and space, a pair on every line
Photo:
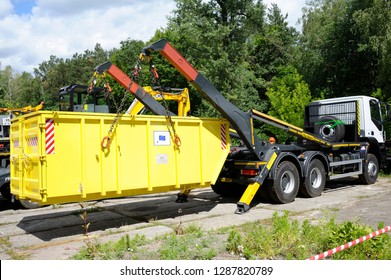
244, 203
182, 196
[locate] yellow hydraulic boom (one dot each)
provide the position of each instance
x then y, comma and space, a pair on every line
27, 109
176, 94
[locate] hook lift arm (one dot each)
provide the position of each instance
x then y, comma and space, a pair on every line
134, 88
242, 122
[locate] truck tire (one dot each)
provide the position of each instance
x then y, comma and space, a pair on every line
27, 204
315, 180
370, 170
5, 191
286, 183
330, 129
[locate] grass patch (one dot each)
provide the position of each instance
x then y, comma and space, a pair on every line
289, 239
281, 237
122, 249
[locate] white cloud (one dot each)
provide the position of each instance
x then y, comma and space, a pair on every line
65, 27
5, 7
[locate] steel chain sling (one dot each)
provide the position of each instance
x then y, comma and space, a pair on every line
156, 81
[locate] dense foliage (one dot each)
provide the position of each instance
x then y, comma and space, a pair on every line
248, 52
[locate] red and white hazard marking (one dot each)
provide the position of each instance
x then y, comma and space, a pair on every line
223, 137
350, 244
32, 141
49, 136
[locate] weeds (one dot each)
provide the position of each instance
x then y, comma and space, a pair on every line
288, 239
191, 244
122, 249
280, 238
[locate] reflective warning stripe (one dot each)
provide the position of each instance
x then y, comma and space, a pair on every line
223, 137
49, 136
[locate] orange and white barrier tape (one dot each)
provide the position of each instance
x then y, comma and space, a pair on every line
350, 244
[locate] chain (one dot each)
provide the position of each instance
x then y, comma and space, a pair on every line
155, 81
106, 141
89, 91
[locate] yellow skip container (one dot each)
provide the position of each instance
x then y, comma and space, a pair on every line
57, 157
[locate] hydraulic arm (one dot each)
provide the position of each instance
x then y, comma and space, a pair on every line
134, 88
26, 109
242, 122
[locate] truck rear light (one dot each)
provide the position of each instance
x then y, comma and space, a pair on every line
249, 172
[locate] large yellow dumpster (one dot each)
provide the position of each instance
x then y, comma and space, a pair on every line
57, 157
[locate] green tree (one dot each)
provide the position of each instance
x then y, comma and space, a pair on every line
58, 72
345, 47
214, 37
126, 57
372, 19
288, 94
272, 48
18, 89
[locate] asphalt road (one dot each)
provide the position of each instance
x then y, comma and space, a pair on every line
56, 232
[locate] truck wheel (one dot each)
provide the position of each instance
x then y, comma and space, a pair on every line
5, 191
27, 204
330, 129
286, 183
315, 179
370, 170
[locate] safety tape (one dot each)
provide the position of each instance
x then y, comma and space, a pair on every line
350, 244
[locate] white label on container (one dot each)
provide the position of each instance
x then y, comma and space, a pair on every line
6, 121
161, 138
162, 158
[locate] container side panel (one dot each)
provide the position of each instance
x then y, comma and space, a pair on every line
132, 154
63, 166
189, 157
161, 154
91, 157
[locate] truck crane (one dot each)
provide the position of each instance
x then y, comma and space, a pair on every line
343, 137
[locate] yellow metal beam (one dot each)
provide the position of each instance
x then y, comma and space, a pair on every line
251, 190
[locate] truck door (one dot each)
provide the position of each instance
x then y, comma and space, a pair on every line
374, 126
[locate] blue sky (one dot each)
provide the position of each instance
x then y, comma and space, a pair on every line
23, 6
33, 30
